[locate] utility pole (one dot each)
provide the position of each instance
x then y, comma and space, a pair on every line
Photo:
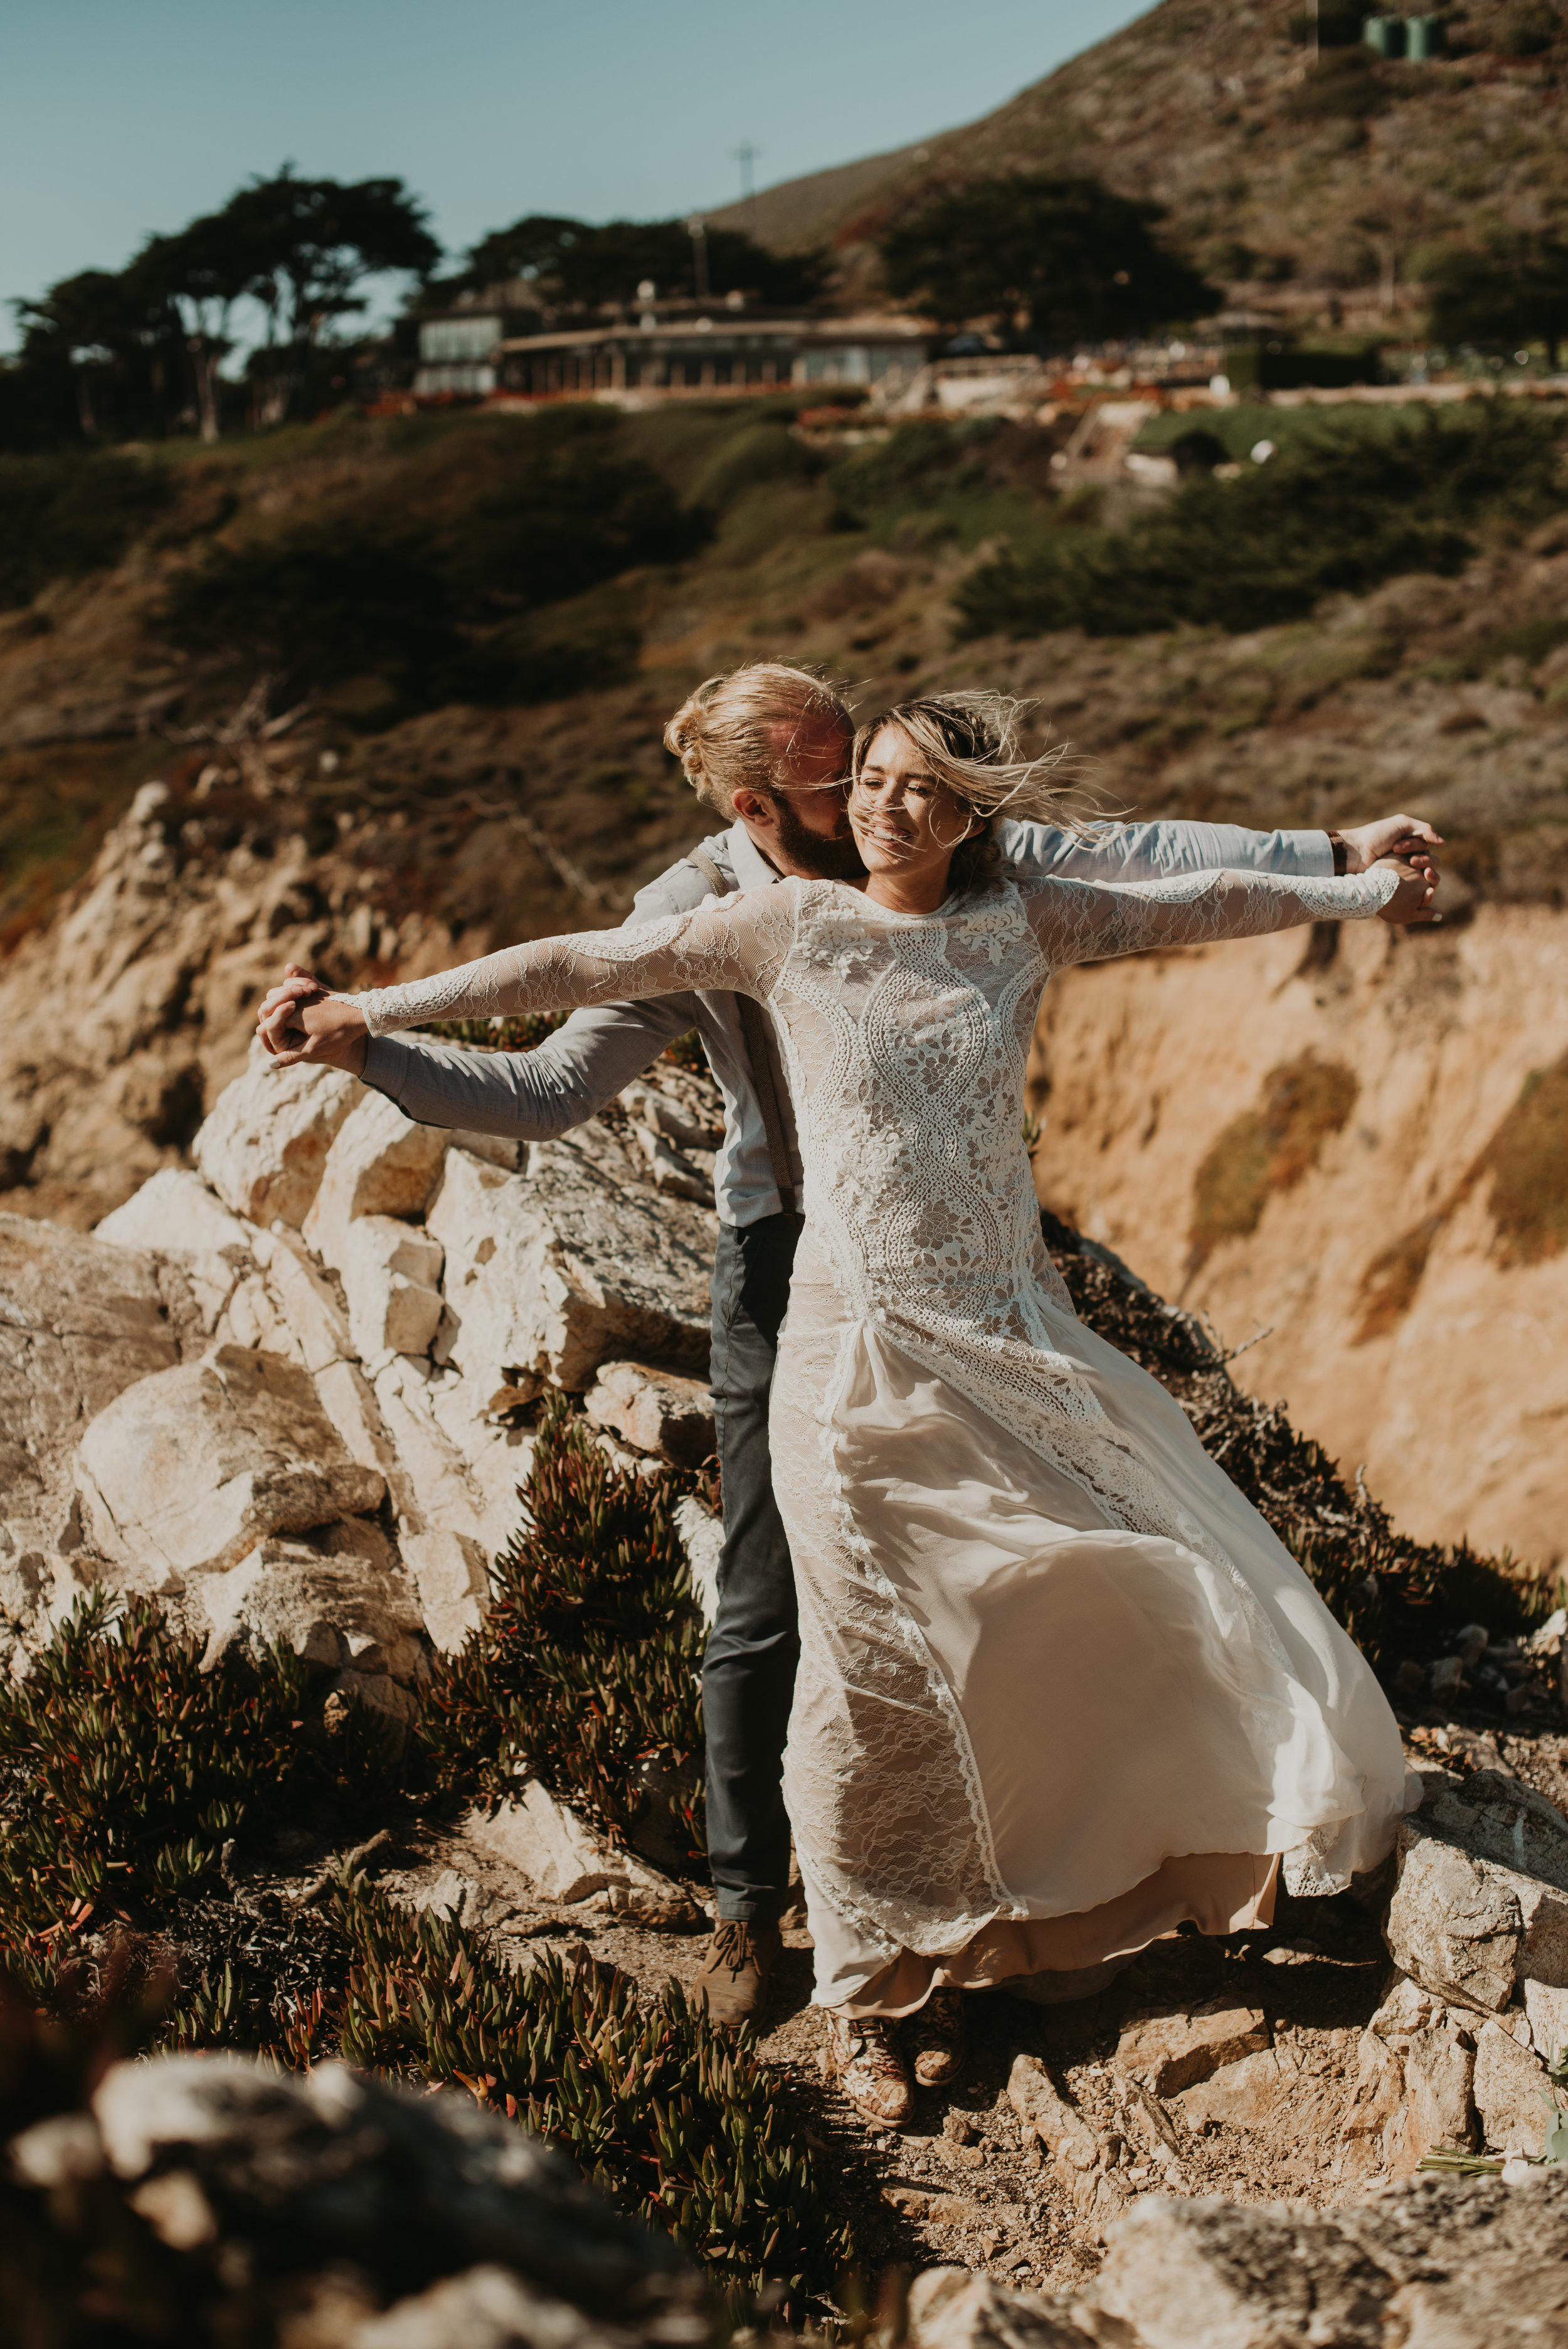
746, 154
697, 229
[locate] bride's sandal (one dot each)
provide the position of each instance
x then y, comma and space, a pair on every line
937, 2041
863, 2056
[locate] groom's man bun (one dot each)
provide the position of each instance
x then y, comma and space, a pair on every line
738, 730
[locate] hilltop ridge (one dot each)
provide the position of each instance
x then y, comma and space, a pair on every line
1305, 178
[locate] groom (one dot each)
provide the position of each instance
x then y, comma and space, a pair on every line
764, 747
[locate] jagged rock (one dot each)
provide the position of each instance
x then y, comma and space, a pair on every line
1473, 1930
1414, 2072
655, 1411
576, 1263
331, 2168
380, 1693
1454, 1924
341, 1611
1178, 2273
79, 1322
185, 1472
1499, 1818
1435, 2263
1084, 2165
391, 1273
264, 1145
1511, 2088
379, 1165
1171, 2052
562, 1858
432, 1488
488, 2308
702, 1538
688, 1121
448, 1571
949, 2308
672, 1171
175, 1214
305, 1304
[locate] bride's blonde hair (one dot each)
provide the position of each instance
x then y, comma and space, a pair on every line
735, 731
973, 743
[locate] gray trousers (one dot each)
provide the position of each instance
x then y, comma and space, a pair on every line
748, 1672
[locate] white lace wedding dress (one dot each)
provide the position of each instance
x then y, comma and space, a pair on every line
1060, 1686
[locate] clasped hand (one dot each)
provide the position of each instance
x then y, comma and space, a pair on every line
301, 1020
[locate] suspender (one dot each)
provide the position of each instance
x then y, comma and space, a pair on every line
758, 1050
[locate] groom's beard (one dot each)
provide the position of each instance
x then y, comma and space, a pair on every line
826, 859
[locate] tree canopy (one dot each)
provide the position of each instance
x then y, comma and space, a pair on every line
574, 265
1516, 292
1043, 260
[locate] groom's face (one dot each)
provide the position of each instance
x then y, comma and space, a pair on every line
803, 824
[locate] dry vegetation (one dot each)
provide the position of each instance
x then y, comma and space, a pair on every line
1298, 181
462, 793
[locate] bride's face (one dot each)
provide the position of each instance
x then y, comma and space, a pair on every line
904, 819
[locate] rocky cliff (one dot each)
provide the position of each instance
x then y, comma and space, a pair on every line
1357, 1141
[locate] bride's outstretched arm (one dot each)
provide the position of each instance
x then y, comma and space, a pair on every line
731, 944
1087, 921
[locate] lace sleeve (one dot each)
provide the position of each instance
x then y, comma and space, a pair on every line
1088, 921
734, 945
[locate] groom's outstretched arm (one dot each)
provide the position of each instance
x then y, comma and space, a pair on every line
1169, 846
564, 1081
533, 1095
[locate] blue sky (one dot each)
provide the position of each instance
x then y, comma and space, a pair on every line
118, 120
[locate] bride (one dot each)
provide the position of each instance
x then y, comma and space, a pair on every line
1060, 1686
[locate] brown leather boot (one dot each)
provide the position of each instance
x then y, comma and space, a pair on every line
935, 2041
736, 1971
862, 2055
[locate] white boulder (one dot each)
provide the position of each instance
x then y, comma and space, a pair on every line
951, 2308
1478, 1928
264, 1144
79, 1322
1512, 2098
564, 1859
702, 1538
655, 1411
340, 1612
175, 1214
449, 1573
577, 1262
379, 1165
188, 1470
1413, 2087
391, 1275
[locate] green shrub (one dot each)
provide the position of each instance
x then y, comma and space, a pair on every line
585, 1668
1526, 1165
419, 601
664, 2111
763, 451
1267, 1149
69, 515
327, 601
127, 1768
1330, 515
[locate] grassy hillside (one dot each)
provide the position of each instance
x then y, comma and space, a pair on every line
471, 629
1275, 169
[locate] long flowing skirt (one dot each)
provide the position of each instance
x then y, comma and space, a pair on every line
1060, 1685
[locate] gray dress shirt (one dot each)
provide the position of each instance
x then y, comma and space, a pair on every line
585, 1064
